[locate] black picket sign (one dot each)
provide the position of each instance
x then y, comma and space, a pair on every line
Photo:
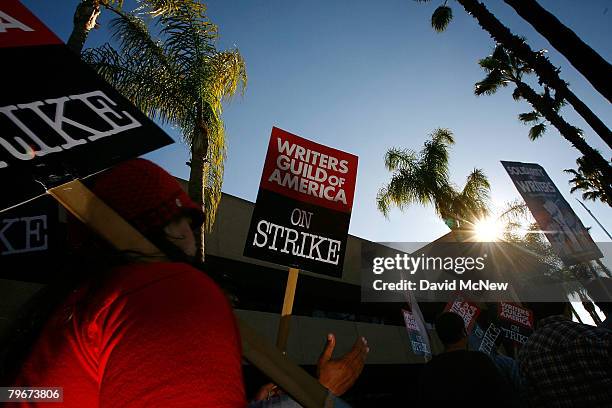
58, 119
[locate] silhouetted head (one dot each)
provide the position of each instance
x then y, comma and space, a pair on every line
542, 310
153, 202
451, 331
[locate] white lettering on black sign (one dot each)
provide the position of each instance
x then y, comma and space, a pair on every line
97, 102
490, 338
297, 243
32, 229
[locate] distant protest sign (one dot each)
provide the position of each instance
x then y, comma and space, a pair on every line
467, 310
516, 322
490, 339
58, 120
415, 325
566, 233
418, 340
475, 337
303, 209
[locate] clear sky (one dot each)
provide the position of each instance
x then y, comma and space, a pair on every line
363, 76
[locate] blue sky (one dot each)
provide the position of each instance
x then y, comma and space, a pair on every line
365, 76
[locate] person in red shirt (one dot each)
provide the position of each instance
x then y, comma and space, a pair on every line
129, 330
134, 332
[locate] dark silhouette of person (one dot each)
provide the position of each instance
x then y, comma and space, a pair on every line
459, 377
564, 363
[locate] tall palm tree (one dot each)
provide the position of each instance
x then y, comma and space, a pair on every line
179, 78
586, 60
503, 68
589, 180
87, 12
547, 72
422, 178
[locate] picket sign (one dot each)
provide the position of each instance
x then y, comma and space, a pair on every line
93, 212
562, 227
306, 192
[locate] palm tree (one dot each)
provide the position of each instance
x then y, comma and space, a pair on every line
503, 68
586, 60
590, 180
87, 12
548, 73
179, 78
423, 179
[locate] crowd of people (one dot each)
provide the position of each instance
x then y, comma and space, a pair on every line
562, 364
126, 329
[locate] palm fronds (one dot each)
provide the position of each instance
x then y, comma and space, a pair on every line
537, 130
588, 179
422, 178
441, 18
175, 74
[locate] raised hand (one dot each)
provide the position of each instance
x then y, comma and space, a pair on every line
338, 375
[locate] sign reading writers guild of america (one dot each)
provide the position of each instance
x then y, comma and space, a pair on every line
58, 120
303, 209
568, 237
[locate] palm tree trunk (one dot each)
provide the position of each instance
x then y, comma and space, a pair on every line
587, 61
84, 20
596, 124
576, 315
547, 73
196, 189
590, 307
569, 132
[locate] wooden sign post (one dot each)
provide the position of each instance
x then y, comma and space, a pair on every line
285, 320
302, 214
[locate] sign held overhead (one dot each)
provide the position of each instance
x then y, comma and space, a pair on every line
58, 121
304, 204
564, 230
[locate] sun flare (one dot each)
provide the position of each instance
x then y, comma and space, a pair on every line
488, 229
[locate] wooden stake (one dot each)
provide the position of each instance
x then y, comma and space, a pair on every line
92, 211
297, 382
102, 219
590, 307
285, 321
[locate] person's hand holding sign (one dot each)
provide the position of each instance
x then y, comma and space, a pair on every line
338, 375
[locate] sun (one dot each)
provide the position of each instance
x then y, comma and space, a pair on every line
488, 229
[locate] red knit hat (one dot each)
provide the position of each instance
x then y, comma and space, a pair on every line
145, 195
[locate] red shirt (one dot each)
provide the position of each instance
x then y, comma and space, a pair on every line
154, 335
